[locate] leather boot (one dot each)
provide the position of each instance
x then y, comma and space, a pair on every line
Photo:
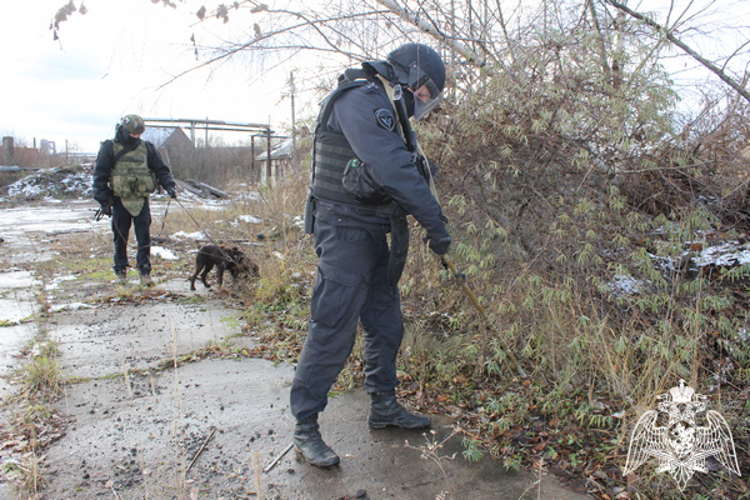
146, 280
121, 278
310, 445
385, 411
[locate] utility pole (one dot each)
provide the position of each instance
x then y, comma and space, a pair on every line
269, 170
252, 158
295, 162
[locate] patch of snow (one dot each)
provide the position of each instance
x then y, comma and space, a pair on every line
75, 306
248, 195
730, 253
54, 182
182, 235
626, 285
250, 219
213, 205
56, 282
163, 253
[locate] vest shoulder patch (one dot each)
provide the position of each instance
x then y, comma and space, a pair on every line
385, 119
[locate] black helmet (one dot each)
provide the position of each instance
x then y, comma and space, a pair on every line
418, 65
131, 124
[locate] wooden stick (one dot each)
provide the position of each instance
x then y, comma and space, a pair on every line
277, 459
200, 451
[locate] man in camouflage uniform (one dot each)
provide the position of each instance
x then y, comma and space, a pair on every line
127, 171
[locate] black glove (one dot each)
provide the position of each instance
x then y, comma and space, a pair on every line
171, 192
107, 210
440, 244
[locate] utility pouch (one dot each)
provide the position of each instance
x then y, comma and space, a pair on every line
360, 186
310, 214
120, 185
147, 185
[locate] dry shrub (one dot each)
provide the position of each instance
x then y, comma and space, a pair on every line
555, 194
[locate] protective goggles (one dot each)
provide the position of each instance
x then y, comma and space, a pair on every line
427, 95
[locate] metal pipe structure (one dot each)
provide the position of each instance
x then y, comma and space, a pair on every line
218, 125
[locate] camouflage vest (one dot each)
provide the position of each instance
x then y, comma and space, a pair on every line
132, 181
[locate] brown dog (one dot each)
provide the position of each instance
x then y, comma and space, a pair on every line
229, 259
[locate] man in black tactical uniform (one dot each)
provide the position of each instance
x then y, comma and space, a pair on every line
367, 176
127, 171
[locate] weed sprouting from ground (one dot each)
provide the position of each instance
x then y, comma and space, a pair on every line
26, 473
431, 451
32, 429
42, 377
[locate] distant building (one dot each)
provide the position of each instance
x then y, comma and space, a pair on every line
167, 137
47, 147
282, 156
174, 146
14, 155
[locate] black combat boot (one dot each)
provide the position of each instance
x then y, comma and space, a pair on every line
310, 445
385, 411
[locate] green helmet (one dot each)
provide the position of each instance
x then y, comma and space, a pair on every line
131, 124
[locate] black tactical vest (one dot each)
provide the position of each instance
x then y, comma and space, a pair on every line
331, 150
332, 154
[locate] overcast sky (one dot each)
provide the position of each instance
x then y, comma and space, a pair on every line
112, 61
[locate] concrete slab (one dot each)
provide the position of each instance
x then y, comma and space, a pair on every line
107, 340
139, 436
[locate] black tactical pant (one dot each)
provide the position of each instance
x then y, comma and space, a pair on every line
121, 221
351, 286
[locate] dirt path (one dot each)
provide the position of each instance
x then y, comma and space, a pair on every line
208, 427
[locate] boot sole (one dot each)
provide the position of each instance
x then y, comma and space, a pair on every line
379, 426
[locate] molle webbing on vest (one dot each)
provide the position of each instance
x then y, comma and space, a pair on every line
332, 153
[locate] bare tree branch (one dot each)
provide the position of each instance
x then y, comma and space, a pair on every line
429, 27
317, 25
669, 36
599, 37
504, 27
